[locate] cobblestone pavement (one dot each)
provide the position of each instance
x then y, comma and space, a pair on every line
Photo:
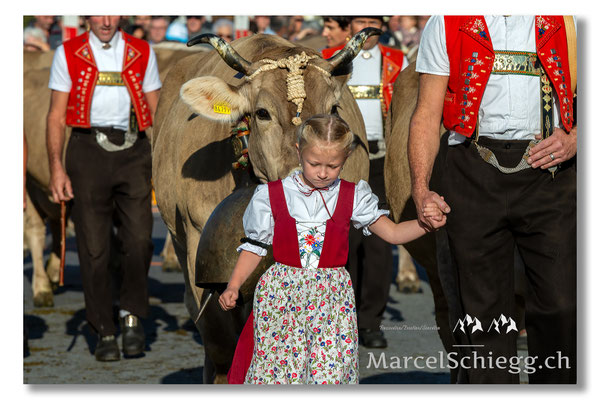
61, 346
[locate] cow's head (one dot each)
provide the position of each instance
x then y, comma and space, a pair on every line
283, 86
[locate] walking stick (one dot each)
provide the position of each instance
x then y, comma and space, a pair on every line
63, 240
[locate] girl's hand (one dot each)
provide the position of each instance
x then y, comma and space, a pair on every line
228, 298
435, 216
433, 211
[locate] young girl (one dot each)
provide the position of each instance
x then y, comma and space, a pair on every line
304, 319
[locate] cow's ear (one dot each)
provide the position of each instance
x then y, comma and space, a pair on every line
213, 98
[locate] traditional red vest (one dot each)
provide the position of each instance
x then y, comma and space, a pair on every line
471, 56
84, 75
285, 237
392, 60
286, 250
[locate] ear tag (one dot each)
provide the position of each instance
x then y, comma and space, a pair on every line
239, 75
221, 108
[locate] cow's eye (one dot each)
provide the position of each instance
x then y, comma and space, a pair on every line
263, 114
334, 109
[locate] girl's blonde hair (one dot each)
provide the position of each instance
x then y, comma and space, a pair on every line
328, 128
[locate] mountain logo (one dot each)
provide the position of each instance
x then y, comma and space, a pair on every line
468, 321
500, 323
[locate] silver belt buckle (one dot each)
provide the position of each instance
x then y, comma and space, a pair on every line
107, 145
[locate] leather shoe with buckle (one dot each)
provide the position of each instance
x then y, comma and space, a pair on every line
132, 332
107, 349
371, 338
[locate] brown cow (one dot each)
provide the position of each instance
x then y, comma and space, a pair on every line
201, 102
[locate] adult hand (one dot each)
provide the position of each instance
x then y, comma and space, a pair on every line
60, 185
228, 298
561, 145
422, 198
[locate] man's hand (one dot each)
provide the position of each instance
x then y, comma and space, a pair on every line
424, 199
60, 185
556, 149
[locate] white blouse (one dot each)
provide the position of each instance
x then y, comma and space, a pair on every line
308, 211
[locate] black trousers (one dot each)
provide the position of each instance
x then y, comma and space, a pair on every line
491, 213
112, 192
370, 262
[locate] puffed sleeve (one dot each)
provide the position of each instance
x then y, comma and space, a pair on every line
366, 210
258, 221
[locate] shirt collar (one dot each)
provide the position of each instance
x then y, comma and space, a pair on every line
94, 41
297, 179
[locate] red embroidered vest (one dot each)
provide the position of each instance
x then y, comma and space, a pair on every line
471, 56
84, 74
392, 60
286, 250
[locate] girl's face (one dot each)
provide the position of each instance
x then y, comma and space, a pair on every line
321, 163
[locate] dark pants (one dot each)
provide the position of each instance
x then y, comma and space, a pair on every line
370, 263
491, 213
112, 191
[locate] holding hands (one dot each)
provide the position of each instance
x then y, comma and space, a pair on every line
431, 209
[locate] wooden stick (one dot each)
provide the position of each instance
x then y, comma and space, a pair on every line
63, 240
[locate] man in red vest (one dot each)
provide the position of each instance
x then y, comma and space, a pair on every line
105, 86
370, 262
504, 86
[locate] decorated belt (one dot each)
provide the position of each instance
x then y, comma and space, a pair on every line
516, 62
106, 78
366, 91
523, 63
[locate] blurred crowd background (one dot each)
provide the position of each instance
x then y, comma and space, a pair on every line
47, 32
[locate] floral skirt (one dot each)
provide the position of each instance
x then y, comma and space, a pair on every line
304, 327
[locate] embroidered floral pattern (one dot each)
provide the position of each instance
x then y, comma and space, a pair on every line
478, 28
311, 244
542, 26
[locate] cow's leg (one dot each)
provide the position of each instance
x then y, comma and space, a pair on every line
35, 235
407, 278
170, 263
214, 370
219, 330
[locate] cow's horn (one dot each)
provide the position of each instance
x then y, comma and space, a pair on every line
352, 48
227, 53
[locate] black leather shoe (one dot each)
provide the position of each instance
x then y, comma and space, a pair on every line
372, 339
107, 349
132, 332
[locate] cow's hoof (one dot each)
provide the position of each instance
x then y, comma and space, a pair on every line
53, 270
43, 299
409, 286
220, 379
171, 265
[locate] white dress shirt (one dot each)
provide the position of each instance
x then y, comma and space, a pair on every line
110, 104
367, 71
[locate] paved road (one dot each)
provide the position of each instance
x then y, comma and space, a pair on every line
61, 346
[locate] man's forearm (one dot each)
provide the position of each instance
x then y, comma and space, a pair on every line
424, 134
423, 146
55, 140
